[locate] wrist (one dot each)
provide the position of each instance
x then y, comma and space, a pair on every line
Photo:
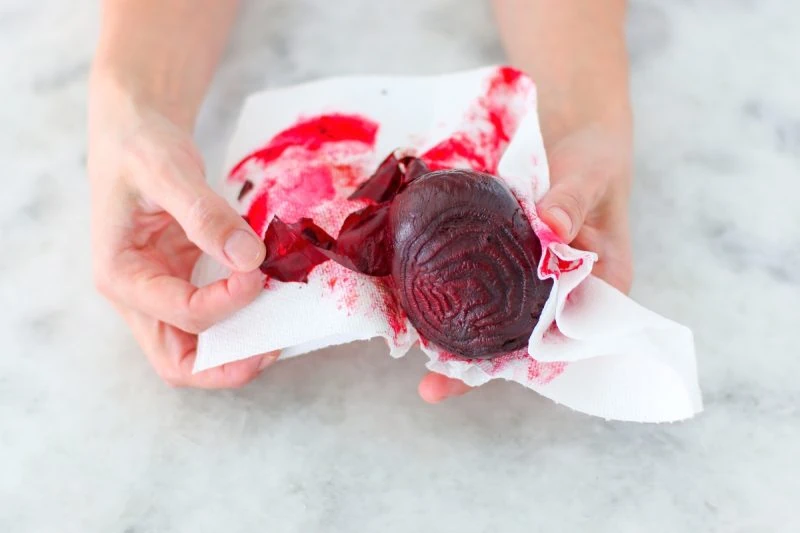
564, 109
116, 88
586, 86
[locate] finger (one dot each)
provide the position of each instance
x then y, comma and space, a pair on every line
228, 376
616, 273
172, 354
435, 388
613, 247
615, 263
567, 204
208, 220
146, 287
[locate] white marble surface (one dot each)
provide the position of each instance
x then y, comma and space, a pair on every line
91, 441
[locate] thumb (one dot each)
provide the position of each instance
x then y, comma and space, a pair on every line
566, 205
208, 220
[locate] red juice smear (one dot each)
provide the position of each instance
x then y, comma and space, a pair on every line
347, 176
293, 196
341, 283
555, 266
302, 167
391, 308
568, 266
348, 291
505, 76
537, 372
312, 134
332, 214
489, 126
544, 373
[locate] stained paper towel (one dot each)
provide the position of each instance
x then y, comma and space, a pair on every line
300, 151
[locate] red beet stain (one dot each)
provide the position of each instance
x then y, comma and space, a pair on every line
297, 181
312, 134
390, 306
489, 126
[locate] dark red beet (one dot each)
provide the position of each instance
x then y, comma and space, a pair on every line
415, 168
364, 241
465, 262
293, 250
364, 245
383, 184
392, 176
462, 256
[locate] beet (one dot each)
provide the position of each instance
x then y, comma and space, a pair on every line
461, 253
465, 261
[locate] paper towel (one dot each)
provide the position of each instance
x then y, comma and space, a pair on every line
300, 151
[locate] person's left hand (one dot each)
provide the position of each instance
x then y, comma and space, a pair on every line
587, 206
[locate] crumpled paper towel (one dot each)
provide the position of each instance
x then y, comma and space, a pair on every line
299, 151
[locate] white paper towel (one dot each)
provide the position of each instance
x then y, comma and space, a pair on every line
305, 148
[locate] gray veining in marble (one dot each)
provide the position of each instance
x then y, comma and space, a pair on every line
91, 441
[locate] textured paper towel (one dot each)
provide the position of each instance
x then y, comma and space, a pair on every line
300, 151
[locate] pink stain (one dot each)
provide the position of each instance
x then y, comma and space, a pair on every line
292, 197
568, 266
312, 134
489, 126
555, 266
340, 283
304, 166
544, 373
390, 306
536, 372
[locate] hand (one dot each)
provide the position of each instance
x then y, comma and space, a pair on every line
152, 215
587, 206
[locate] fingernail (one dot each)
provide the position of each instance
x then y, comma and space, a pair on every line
268, 360
563, 220
243, 249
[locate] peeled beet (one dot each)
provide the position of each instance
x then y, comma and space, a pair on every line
465, 263
461, 253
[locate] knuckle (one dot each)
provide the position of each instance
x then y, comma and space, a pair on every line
170, 377
205, 217
573, 202
189, 322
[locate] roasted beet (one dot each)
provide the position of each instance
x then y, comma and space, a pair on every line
465, 261
461, 253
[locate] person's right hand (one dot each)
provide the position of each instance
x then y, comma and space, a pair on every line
152, 215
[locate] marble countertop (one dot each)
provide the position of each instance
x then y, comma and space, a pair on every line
91, 441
